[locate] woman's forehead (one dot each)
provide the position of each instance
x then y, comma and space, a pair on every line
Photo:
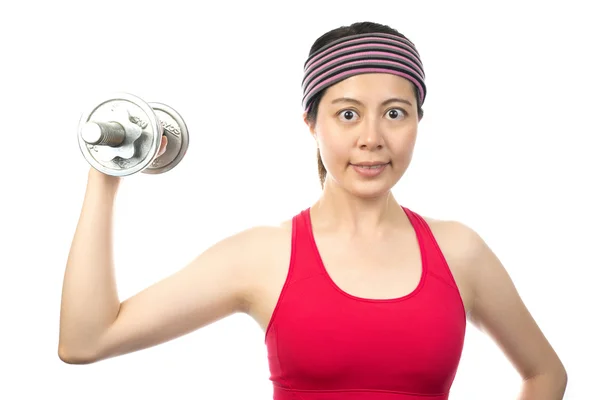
371, 87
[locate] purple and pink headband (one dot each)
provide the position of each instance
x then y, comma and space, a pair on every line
360, 54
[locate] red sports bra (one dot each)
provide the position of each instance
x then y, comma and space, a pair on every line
325, 344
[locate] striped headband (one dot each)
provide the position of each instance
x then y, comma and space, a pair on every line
359, 54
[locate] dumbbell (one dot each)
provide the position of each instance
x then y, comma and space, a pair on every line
120, 135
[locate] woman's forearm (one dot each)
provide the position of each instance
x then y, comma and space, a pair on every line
90, 301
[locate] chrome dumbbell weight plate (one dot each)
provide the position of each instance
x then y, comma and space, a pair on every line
121, 136
175, 130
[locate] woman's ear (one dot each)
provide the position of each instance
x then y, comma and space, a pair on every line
311, 126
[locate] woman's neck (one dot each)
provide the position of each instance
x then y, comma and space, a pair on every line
340, 211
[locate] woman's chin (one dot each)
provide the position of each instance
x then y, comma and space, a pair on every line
370, 189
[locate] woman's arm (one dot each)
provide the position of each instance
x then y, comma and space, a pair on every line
499, 311
95, 325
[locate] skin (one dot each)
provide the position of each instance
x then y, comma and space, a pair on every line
347, 133
246, 271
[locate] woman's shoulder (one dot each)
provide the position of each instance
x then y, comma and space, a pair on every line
453, 230
458, 242
265, 240
457, 234
265, 233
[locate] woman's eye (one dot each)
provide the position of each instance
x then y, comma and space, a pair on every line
395, 113
347, 114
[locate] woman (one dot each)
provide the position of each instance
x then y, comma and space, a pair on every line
359, 297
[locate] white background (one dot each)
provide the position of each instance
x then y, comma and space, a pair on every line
508, 145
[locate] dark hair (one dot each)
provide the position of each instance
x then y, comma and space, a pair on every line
338, 33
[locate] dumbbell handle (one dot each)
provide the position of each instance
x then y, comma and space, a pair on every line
103, 133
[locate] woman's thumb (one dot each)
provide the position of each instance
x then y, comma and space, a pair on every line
163, 145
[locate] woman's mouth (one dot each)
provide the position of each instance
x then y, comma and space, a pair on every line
369, 169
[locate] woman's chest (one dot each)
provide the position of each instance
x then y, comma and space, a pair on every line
388, 270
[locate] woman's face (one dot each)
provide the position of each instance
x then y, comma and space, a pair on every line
367, 118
